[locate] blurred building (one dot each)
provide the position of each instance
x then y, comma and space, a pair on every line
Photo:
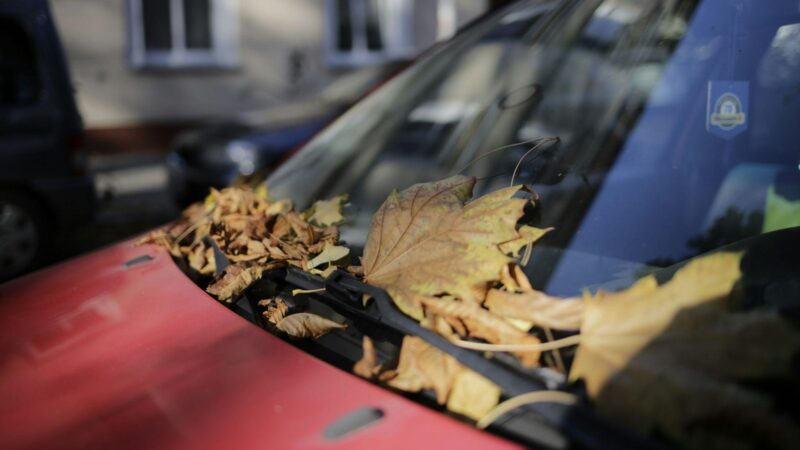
144, 69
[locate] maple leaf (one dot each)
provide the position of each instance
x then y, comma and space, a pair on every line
668, 357
307, 325
327, 212
427, 240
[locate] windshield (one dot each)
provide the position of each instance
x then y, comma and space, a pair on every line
676, 126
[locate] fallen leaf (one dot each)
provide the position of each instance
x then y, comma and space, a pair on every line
485, 325
367, 366
328, 212
275, 309
235, 279
307, 325
668, 357
536, 307
527, 235
473, 395
422, 366
331, 254
427, 240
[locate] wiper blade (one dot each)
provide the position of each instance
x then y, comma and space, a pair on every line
345, 292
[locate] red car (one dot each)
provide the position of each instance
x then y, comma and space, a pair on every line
677, 136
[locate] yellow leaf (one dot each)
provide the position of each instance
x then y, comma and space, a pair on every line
426, 240
328, 212
473, 395
537, 307
668, 357
331, 254
307, 325
527, 235
483, 324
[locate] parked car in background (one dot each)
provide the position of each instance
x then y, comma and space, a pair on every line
252, 144
43, 188
677, 137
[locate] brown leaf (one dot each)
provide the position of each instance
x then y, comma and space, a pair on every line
367, 367
483, 324
426, 241
537, 307
307, 325
276, 309
668, 357
235, 280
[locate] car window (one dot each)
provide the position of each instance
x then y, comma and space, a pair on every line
674, 122
19, 78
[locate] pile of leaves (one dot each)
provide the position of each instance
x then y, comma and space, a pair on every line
673, 359
256, 234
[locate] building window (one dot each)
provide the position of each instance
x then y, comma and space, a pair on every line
181, 34
362, 32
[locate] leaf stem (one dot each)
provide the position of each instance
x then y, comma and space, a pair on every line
526, 399
575, 339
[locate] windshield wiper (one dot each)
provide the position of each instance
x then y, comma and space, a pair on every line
344, 292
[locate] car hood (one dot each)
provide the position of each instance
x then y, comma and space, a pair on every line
119, 349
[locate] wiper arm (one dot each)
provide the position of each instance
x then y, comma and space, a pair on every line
345, 292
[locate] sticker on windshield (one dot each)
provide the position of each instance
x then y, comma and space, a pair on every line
726, 112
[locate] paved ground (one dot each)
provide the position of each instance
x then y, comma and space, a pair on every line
132, 198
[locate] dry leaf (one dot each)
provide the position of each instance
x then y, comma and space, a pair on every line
423, 366
235, 279
536, 307
367, 366
483, 324
328, 212
307, 325
426, 241
276, 309
668, 357
331, 254
527, 235
473, 395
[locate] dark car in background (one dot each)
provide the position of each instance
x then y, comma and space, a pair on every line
251, 144
43, 188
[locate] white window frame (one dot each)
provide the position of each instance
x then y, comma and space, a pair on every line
224, 51
397, 28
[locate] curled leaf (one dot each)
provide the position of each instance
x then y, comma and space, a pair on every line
307, 325
275, 309
235, 279
367, 366
536, 307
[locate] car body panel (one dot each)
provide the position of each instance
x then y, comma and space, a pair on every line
100, 354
